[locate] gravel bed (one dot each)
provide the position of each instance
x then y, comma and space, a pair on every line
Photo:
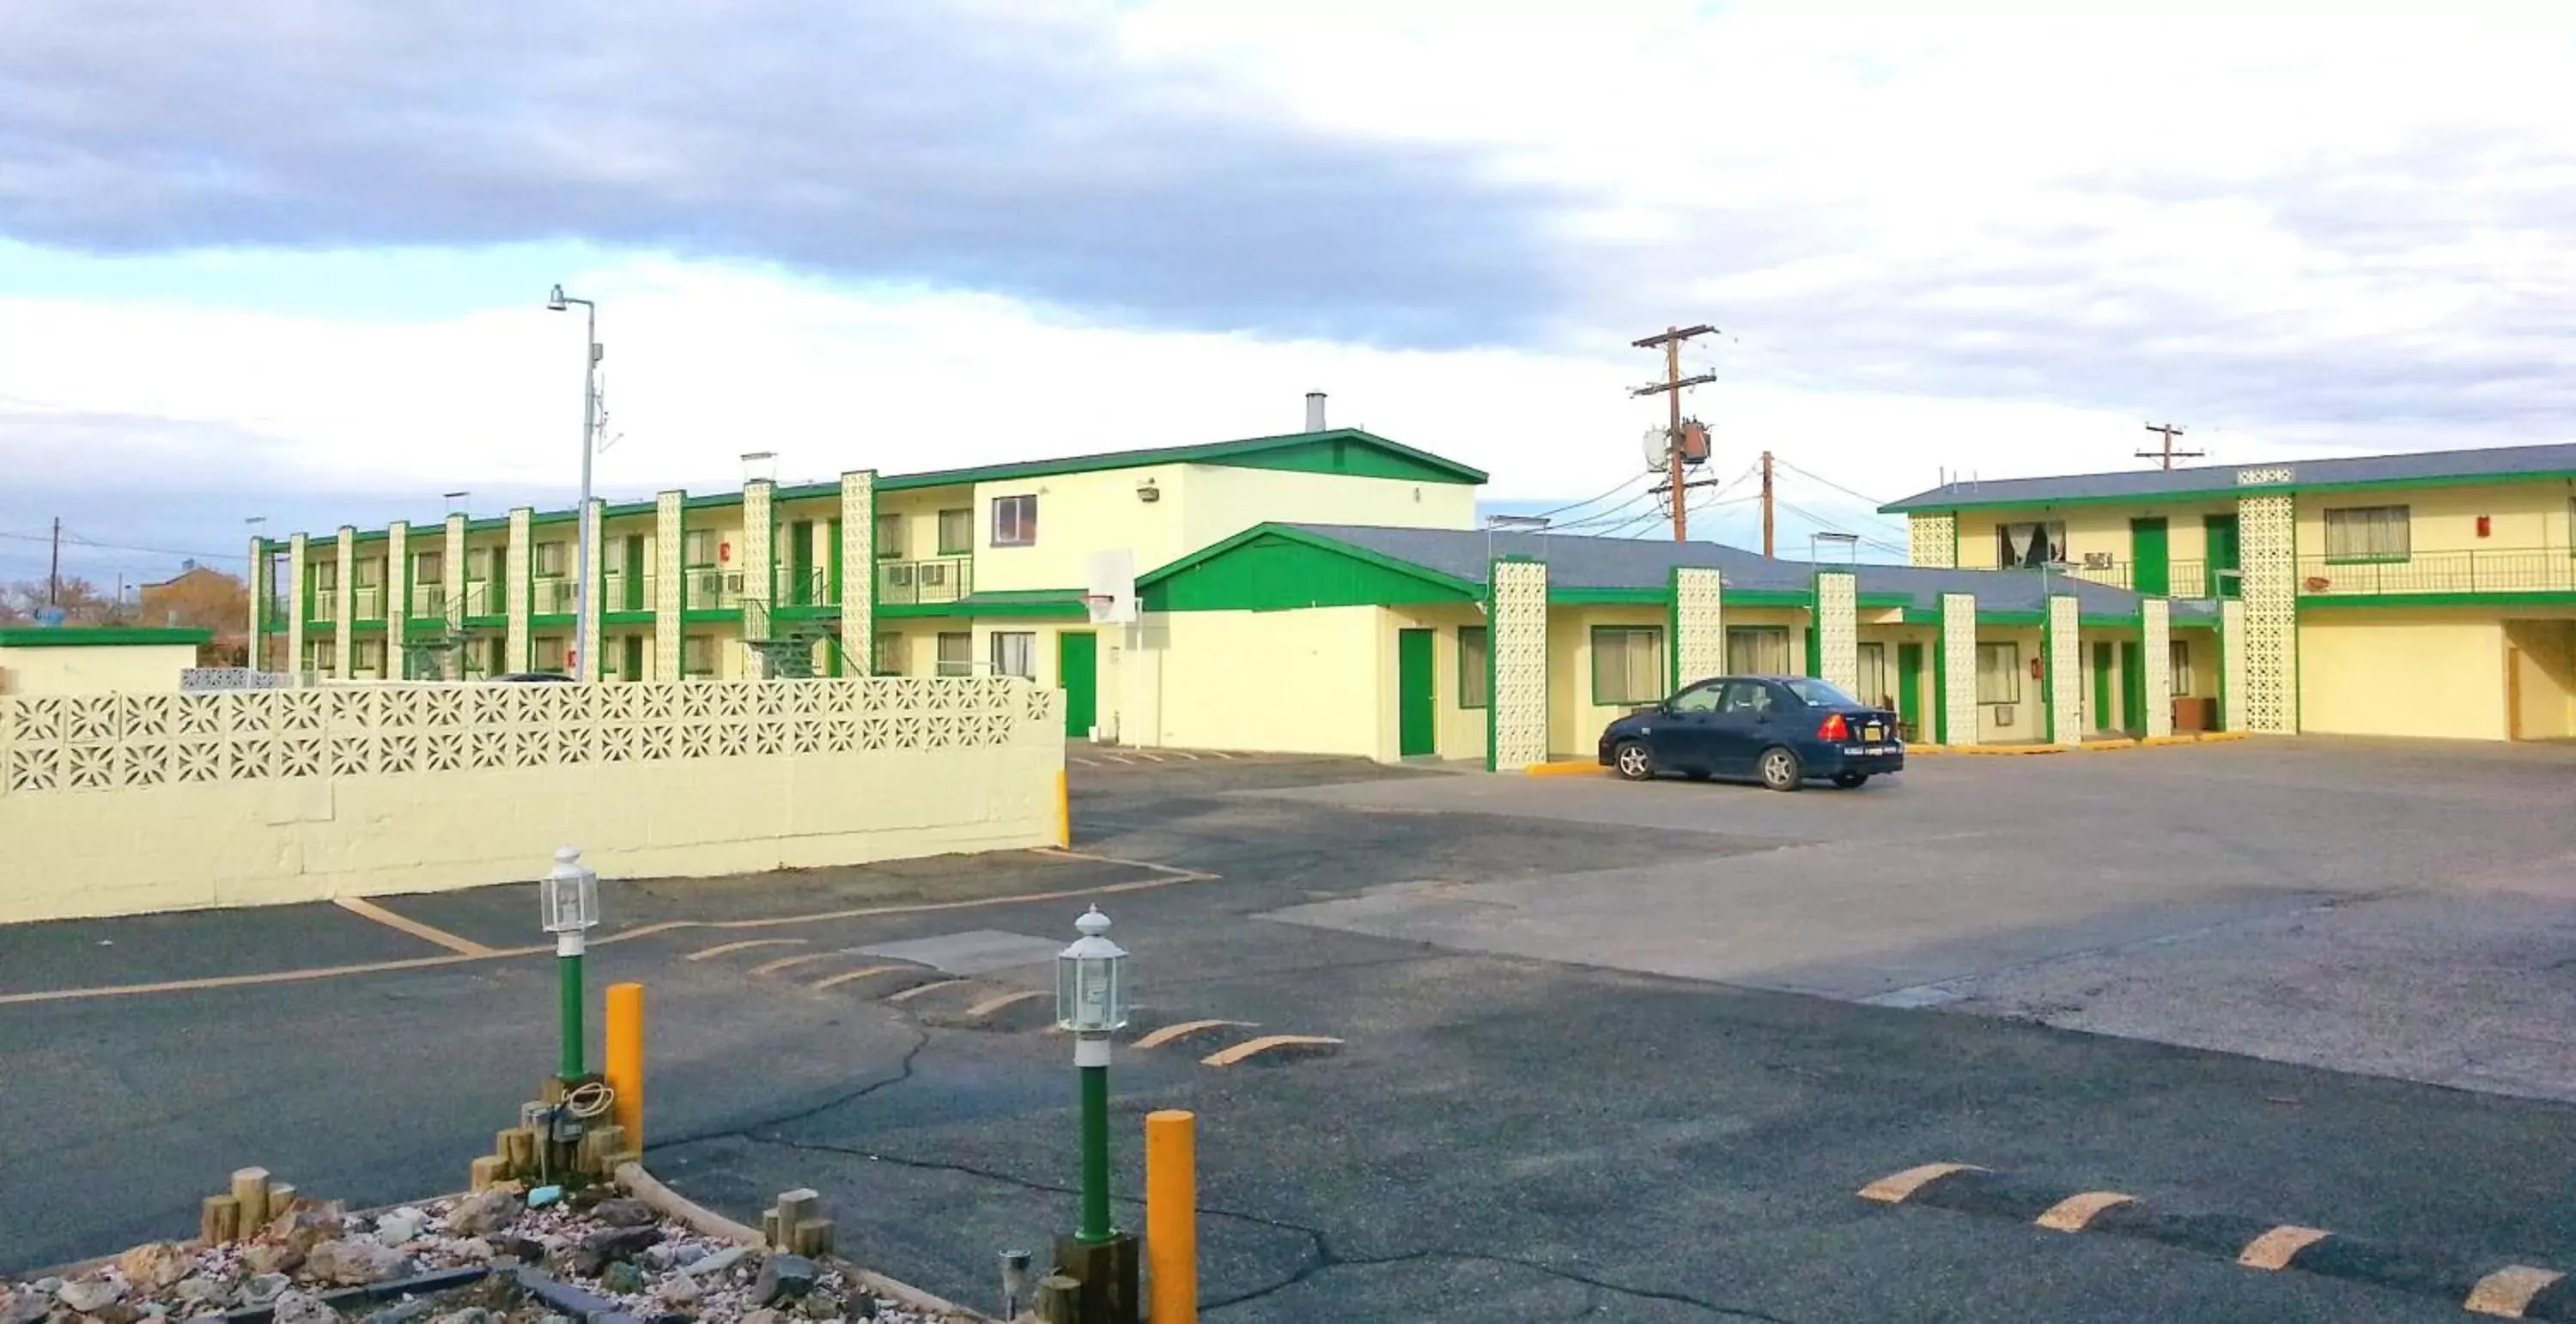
580, 1261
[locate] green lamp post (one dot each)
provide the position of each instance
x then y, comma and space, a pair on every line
569, 898
1091, 1004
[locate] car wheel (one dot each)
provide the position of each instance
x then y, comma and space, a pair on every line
1631, 761
1850, 780
1781, 770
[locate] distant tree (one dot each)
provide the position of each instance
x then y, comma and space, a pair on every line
81, 601
201, 599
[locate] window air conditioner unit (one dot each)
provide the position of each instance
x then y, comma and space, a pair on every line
2097, 560
934, 576
2003, 714
899, 576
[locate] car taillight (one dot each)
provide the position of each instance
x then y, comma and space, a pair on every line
1834, 729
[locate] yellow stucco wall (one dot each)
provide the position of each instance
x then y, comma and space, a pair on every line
1307, 682
2030, 710
2094, 530
2521, 516
120, 668
1459, 732
1574, 721
524, 786
2402, 673
1224, 501
2543, 657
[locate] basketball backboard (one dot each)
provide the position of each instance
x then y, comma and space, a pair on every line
1110, 588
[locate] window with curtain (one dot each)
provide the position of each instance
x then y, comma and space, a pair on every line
956, 655
1015, 653
698, 655
2030, 544
2180, 651
956, 532
2367, 533
1627, 664
1475, 661
1999, 673
1015, 521
1757, 650
889, 537
550, 559
698, 547
889, 655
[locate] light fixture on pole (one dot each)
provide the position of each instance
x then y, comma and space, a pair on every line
1091, 1004
558, 301
568, 899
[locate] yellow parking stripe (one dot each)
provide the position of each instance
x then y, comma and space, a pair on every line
1171, 1032
1263, 1044
990, 1005
863, 972
1894, 1189
791, 962
720, 949
2509, 1290
364, 908
917, 990
2073, 1212
2273, 1249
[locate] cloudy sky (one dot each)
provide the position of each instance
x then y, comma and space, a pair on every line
280, 258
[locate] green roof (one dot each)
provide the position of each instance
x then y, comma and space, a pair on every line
97, 636
2501, 464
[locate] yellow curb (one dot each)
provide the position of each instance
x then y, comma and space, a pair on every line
2273, 1249
1895, 1188
2509, 1290
2075, 1211
2106, 746
1568, 768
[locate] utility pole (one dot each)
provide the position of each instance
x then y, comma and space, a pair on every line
54, 568
1766, 503
2168, 454
1672, 385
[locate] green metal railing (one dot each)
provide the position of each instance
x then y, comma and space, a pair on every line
2524, 570
941, 579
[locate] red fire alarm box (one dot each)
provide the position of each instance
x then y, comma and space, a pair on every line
724, 552
2484, 525
2035, 673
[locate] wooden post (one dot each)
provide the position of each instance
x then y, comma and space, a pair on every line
1108, 1273
769, 1234
793, 1208
250, 1194
219, 1220
1058, 1298
1172, 1217
626, 1058
813, 1237
488, 1171
281, 1200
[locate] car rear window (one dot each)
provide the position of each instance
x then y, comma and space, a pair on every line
1820, 693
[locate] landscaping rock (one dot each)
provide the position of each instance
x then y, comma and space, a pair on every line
763, 1316
469, 1315
484, 1213
153, 1265
29, 1306
400, 1226
297, 1307
89, 1295
526, 1250
716, 1263
306, 1226
405, 1312
680, 1290
350, 1262
783, 1278
622, 1278
819, 1305
602, 1249
197, 1291
623, 1212
264, 1288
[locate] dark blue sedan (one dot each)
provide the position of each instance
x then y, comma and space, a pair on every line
1781, 729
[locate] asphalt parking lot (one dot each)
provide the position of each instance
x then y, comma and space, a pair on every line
1598, 1050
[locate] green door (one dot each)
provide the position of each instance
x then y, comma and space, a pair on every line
634, 668
633, 582
2133, 689
1077, 672
1909, 689
2151, 573
1416, 696
800, 563
2102, 685
2222, 555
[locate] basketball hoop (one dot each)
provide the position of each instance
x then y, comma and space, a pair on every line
1101, 606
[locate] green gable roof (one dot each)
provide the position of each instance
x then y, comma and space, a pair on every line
1276, 567
2501, 464
1340, 451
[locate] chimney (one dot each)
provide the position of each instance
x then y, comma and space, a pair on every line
1314, 411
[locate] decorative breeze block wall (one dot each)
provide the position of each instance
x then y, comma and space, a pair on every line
1699, 625
2155, 616
2065, 671
1959, 668
1517, 600
1838, 628
1932, 539
2267, 531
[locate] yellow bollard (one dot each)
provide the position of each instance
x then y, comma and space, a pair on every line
1172, 1216
626, 1059
1063, 813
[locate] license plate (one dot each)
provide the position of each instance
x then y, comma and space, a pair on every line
1873, 731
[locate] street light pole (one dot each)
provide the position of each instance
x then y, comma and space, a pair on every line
569, 898
557, 302
1091, 1004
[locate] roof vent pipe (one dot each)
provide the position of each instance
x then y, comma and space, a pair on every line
1314, 411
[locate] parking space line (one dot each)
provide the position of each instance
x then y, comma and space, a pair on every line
1894, 1189
2073, 1212
365, 909
2273, 1249
722, 948
907, 995
1254, 1047
990, 1005
791, 962
1171, 1032
2509, 1290
850, 976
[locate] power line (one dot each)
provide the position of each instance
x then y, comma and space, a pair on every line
1633, 481
1856, 496
121, 547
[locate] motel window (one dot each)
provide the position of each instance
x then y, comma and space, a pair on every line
321, 655
698, 655
2030, 545
1475, 673
550, 559
2181, 654
1015, 653
1876, 680
325, 576
889, 537
956, 532
1757, 650
1015, 521
428, 567
1999, 673
367, 573
956, 654
889, 655
1627, 664
478, 564
549, 655
367, 657
698, 547
2367, 533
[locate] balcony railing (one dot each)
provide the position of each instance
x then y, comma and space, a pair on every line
813, 588
552, 597
708, 587
428, 602
945, 579
618, 593
367, 603
2535, 570
2183, 579
322, 604
486, 597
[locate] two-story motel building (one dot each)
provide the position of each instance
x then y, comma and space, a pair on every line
1328, 591
2429, 594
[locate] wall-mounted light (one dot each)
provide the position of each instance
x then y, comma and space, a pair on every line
1147, 492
